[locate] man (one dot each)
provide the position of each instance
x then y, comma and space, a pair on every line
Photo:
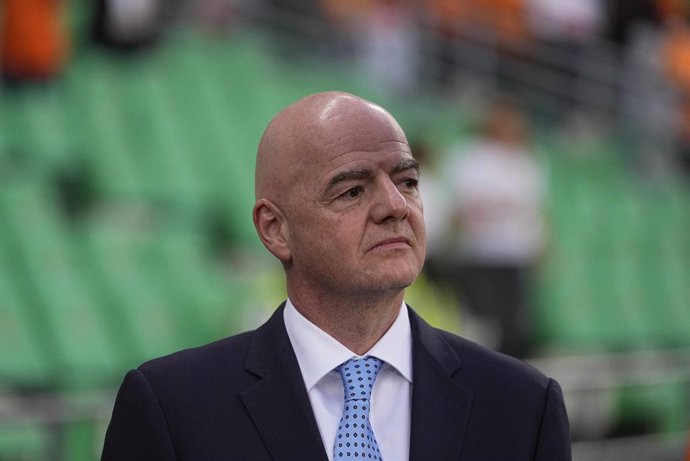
338, 205
498, 189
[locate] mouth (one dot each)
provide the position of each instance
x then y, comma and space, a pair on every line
394, 243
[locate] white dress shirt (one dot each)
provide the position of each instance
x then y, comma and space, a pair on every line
318, 354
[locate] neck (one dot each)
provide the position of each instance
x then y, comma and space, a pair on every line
356, 324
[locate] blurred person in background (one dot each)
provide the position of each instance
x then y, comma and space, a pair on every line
507, 28
299, 27
569, 32
129, 25
499, 24
216, 17
443, 18
34, 44
676, 61
337, 203
380, 36
624, 16
499, 236
652, 103
342, 17
387, 46
433, 192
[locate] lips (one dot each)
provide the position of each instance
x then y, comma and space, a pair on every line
392, 243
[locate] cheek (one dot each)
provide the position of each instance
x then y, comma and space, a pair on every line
327, 240
339, 242
348, 227
417, 222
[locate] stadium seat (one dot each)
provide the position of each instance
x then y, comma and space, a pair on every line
60, 306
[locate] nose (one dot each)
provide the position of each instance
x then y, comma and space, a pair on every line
389, 203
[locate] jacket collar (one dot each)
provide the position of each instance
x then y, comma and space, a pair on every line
279, 405
440, 406
278, 402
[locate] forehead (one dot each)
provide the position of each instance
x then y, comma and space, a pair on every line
359, 161
371, 136
388, 157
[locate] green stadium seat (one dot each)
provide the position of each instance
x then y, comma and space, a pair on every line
62, 309
23, 362
118, 267
32, 124
95, 125
162, 286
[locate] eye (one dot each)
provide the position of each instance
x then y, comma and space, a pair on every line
353, 192
410, 183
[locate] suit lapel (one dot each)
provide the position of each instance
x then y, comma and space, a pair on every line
440, 406
278, 402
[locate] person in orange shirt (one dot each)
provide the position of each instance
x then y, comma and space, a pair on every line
33, 41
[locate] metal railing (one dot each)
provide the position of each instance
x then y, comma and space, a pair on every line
592, 78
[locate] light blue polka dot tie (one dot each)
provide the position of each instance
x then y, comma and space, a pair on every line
355, 439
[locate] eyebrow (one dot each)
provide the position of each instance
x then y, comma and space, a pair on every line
406, 164
364, 173
349, 175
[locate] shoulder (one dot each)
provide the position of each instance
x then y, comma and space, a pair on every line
226, 363
484, 371
498, 379
210, 362
471, 361
486, 363
514, 406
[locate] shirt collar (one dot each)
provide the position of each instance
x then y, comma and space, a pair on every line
318, 353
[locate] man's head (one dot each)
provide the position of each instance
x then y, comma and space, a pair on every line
337, 200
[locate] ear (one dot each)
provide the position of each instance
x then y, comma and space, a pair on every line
271, 225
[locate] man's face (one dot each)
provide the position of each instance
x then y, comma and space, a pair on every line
355, 221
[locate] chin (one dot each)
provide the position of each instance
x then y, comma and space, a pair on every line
391, 280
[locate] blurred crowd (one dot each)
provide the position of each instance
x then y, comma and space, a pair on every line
537, 50
34, 39
615, 63
586, 65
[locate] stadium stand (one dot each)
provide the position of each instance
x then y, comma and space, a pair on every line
126, 261
620, 259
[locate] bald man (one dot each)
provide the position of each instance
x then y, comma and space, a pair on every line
337, 203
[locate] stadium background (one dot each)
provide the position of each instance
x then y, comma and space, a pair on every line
126, 187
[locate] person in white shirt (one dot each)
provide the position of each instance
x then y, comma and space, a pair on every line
498, 192
337, 203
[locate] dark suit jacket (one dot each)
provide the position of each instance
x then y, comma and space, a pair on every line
243, 398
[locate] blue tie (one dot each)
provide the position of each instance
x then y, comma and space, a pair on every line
355, 439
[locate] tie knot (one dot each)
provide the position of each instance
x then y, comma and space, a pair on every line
358, 377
